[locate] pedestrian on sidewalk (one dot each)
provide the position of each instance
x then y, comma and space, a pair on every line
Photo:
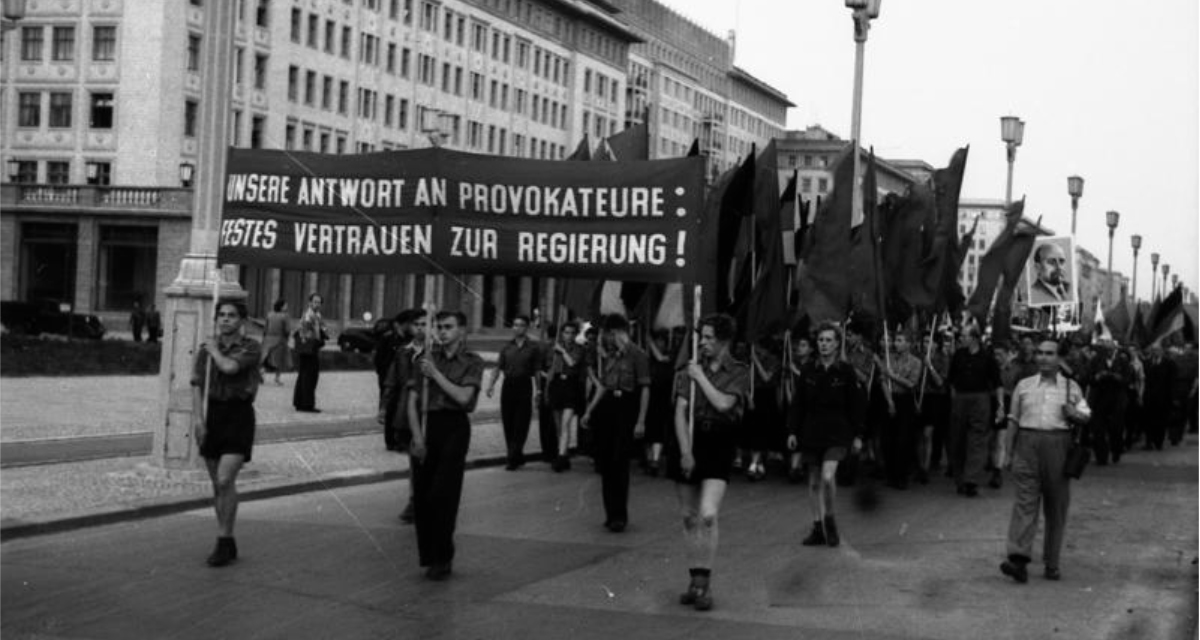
276, 356
153, 324
564, 390
830, 420
617, 415
1045, 408
394, 397
974, 380
226, 371
137, 319
450, 376
309, 338
520, 361
706, 446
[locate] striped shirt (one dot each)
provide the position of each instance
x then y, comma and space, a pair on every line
1038, 403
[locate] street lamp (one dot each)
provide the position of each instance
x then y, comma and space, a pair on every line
864, 11
187, 171
1112, 217
1166, 270
1153, 276
1136, 242
1075, 188
13, 167
1012, 132
1174, 281
14, 11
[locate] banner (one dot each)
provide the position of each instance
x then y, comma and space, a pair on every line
437, 210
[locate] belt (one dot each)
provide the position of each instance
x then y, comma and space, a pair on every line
1046, 431
619, 393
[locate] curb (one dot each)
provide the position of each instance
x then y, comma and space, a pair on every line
17, 531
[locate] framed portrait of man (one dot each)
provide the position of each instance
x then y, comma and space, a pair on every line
1052, 274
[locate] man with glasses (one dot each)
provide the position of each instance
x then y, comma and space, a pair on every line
520, 361
224, 382
445, 389
617, 415
706, 447
1039, 435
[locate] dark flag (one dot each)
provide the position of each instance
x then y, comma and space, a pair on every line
1118, 320
1014, 262
582, 297
583, 151
995, 263
1138, 333
604, 153
631, 144
868, 284
1169, 317
823, 276
767, 305
734, 203
694, 150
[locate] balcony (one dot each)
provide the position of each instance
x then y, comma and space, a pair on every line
173, 201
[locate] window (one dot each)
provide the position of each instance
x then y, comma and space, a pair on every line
260, 71
31, 44
343, 97
479, 38
460, 31
402, 116
239, 54
823, 185
448, 25
102, 111
405, 60
258, 127
429, 17
494, 94
99, 173
310, 88
193, 52
330, 35
261, 12
297, 18
808, 161
60, 110
190, 108
306, 139
522, 54
58, 172
235, 129
327, 93
458, 81
476, 86
314, 30
806, 184
389, 106
407, 15
104, 43
293, 83
30, 110
324, 148
391, 57
447, 78
26, 171
346, 43
64, 44
128, 261
426, 69
289, 136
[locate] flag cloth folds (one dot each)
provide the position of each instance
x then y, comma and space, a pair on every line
996, 263
631, 144
583, 151
767, 305
943, 276
732, 198
822, 275
1138, 333
868, 284
1169, 317
1118, 321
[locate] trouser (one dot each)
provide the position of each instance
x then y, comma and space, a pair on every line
937, 413
308, 372
547, 429
970, 429
437, 485
1037, 474
612, 422
516, 410
899, 446
1133, 422
1179, 420
1154, 417
1106, 430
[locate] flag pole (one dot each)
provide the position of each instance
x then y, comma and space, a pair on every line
429, 329
216, 295
696, 292
925, 369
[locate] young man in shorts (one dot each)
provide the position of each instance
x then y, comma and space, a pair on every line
706, 447
224, 382
829, 420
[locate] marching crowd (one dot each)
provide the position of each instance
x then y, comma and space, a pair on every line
829, 407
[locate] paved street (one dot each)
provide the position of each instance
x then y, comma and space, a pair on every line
534, 563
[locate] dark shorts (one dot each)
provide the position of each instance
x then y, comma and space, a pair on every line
565, 393
714, 446
814, 456
229, 429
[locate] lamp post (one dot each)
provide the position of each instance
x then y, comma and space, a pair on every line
187, 171
1166, 270
1112, 217
1075, 188
1174, 281
864, 11
1012, 132
1136, 242
1153, 276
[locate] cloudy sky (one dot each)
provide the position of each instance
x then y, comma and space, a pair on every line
1108, 91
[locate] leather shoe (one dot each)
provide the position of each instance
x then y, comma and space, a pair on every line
615, 526
1015, 570
438, 572
1052, 573
408, 516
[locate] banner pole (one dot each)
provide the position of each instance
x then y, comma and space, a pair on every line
216, 295
430, 327
696, 292
925, 369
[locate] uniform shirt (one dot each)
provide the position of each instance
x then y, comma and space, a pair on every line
465, 369
626, 370
520, 360
907, 367
730, 377
831, 406
242, 385
1038, 403
974, 373
559, 366
395, 385
941, 364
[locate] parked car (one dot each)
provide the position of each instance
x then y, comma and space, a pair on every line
362, 339
47, 316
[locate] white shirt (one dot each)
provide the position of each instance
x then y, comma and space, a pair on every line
1037, 402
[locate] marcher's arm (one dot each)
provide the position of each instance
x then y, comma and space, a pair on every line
461, 395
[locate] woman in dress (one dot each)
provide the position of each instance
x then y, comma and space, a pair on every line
276, 356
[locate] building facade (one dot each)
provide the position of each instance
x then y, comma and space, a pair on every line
100, 100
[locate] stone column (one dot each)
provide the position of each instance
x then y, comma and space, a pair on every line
189, 304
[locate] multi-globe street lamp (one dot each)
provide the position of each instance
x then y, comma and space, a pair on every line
1075, 188
1153, 276
1112, 218
1135, 241
1012, 132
